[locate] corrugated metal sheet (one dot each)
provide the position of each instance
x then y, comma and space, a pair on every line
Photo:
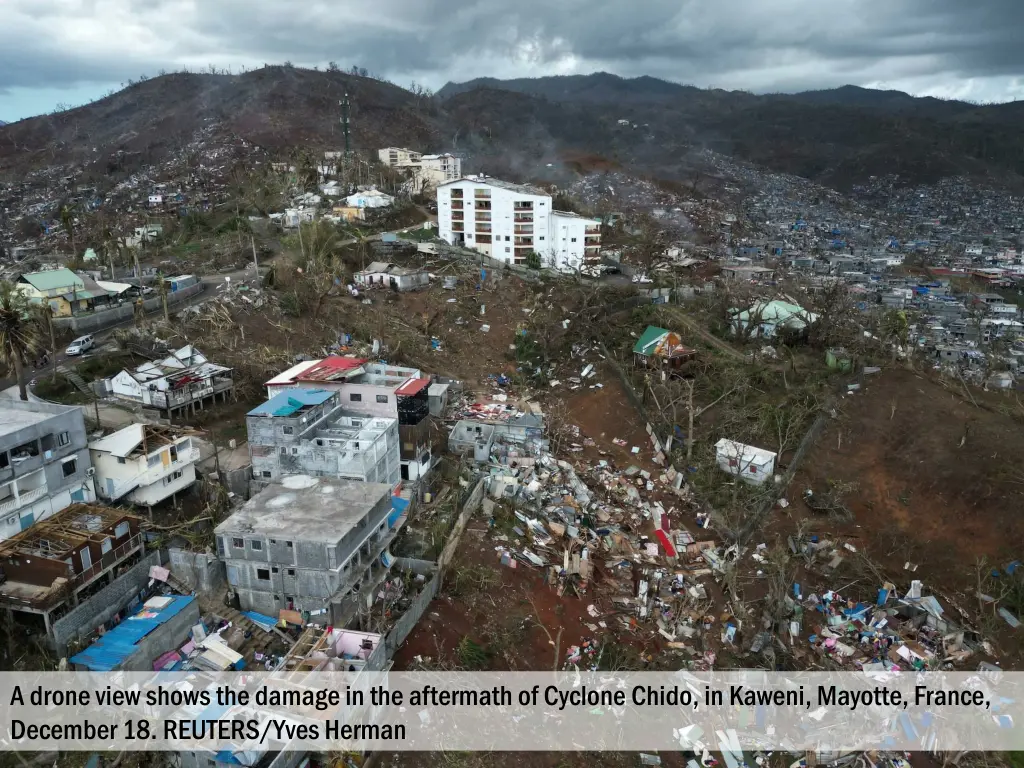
119, 643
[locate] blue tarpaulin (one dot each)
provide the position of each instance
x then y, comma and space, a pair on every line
107, 653
399, 506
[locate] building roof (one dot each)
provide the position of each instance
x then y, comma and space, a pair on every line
289, 376
56, 537
572, 215
526, 189
661, 342
52, 279
304, 508
332, 368
779, 313
18, 414
124, 442
181, 364
292, 401
413, 386
118, 644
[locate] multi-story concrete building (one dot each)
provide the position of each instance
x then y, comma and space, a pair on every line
373, 389
307, 431
310, 544
509, 221
426, 172
44, 463
143, 464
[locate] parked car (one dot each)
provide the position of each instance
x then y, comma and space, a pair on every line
81, 345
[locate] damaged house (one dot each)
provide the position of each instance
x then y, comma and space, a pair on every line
386, 275
659, 348
184, 381
44, 570
768, 319
143, 464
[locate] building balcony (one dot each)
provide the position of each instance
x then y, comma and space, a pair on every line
458, 226
523, 219
460, 216
108, 560
524, 241
592, 231
457, 194
521, 207
177, 398
481, 194
483, 217
528, 230
483, 205
485, 228
21, 500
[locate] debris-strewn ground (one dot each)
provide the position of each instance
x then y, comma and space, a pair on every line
936, 483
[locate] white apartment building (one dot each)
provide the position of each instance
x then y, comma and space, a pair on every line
425, 171
509, 221
143, 464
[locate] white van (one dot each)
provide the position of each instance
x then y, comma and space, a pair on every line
80, 346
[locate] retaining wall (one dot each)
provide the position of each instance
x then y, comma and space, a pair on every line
104, 605
108, 318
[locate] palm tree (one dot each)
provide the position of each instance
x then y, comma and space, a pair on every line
18, 334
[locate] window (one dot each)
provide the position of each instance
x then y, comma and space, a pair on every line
173, 476
63, 438
174, 453
121, 530
255, 546
507, 249
69, 467
382, 398
287, 430
355, 397
291, 571
541, 237
507, 238
266, 474
153, 460
295, 451
120, 459
288, 544
274, 570
238, 543
574, 239
263, 574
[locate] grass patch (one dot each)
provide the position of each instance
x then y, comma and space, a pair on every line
59, 390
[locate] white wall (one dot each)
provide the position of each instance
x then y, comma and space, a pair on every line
158, 491
502, 219
568, 242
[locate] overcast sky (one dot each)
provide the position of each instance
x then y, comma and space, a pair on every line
74, 51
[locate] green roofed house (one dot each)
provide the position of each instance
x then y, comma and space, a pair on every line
771, 318
660, 347
65, 292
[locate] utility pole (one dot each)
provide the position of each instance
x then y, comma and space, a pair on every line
345, 129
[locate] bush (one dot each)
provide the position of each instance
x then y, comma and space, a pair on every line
533, 260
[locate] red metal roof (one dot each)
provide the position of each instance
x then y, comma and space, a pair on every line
412, 386
331, 368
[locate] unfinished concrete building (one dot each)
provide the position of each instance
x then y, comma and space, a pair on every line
374, 389
49, 568
44, 463
314, 545
306, 431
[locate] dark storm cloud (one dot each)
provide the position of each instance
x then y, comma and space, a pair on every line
923, 45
